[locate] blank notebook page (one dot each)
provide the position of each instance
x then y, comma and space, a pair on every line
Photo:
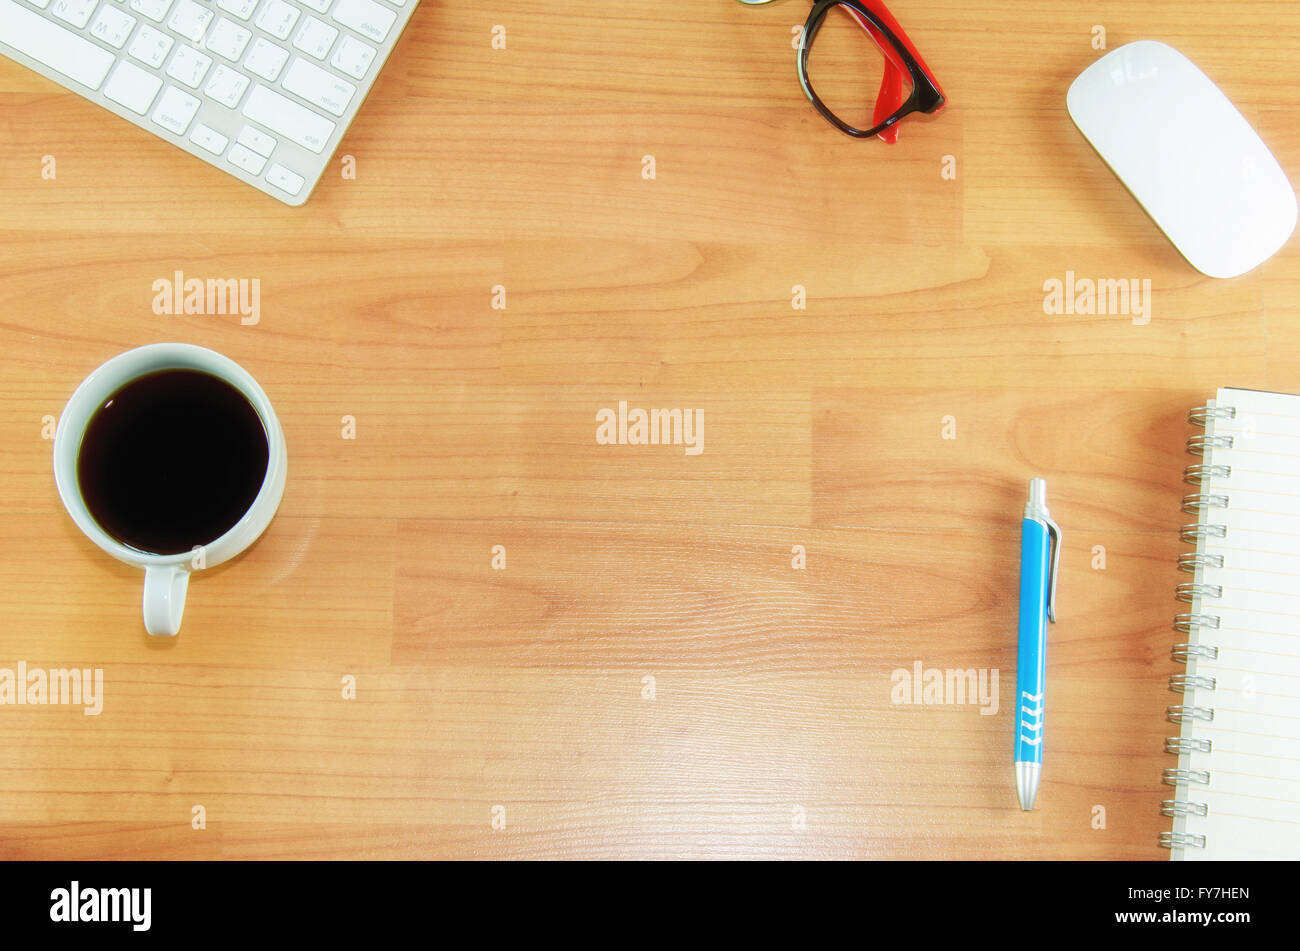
1251, 794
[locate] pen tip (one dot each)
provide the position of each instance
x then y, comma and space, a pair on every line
1027, 784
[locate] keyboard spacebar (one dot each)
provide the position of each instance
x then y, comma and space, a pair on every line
61, 50
294, 122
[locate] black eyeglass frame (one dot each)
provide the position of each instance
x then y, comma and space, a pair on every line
926, 97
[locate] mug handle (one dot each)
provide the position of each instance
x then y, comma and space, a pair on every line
164, 599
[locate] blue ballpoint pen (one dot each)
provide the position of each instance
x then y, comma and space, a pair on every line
1039, 559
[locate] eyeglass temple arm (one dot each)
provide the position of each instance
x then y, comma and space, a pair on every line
882, 13
890, 96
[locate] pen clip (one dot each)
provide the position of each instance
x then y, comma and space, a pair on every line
1054, 535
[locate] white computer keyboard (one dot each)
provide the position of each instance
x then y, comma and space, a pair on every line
262, 89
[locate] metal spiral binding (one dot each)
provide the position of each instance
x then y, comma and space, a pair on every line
1188, 744
1181, 807
1182, 652
1181, 840
1195, 475
1193, 560
1192, 777
1200, 445
1181, 745
1181, 683
1182, 713
1195, 504
1191, 532
1196, 593
1190, 591
1200, 414
1187, 623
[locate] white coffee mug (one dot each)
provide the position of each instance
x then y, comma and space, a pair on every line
166, 577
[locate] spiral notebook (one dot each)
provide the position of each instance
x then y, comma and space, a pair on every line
1238, 772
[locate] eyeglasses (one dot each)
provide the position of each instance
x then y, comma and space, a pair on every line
906, 84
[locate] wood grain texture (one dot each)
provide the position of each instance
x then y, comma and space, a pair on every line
523, 687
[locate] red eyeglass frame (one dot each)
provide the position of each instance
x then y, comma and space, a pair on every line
902, 60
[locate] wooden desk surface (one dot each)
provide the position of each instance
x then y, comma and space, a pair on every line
521, 694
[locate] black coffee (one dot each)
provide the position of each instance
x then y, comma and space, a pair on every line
172, 460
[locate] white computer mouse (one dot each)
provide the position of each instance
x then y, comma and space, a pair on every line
1187, 155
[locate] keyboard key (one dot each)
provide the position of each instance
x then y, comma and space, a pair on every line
226, 86
283, 179
112, 26
39, 4
238, 8
266, 59
154, 9
365, 17
320, 6
209, 139
175, 110
132, 87
246, 159
189, 66
190, 20
315, 38
60, 49
317, 86
257, 140
277, 18
227, 40
76, 12
150, 46
282, 115
353, 57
